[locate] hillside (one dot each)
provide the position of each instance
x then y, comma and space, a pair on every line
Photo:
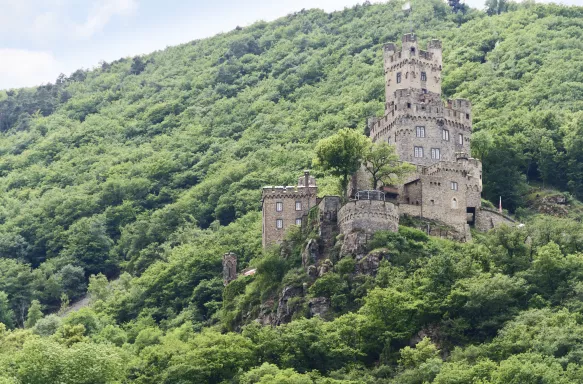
150, 168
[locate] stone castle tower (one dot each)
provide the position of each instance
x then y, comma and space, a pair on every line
433, 135
284, 206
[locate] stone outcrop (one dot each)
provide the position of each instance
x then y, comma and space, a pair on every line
285, 308
319, 306
370, 263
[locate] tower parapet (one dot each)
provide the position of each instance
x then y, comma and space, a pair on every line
412, 67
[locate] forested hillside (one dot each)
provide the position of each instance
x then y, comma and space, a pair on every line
146, 170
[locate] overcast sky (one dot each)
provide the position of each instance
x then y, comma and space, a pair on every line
41, 38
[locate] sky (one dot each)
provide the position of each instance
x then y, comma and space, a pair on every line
39, 39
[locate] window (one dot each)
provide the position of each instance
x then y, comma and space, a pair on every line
454, 203
445, 134
467, 116
423, 76
408, 105
418, 151
298, 205
299, 222
435, 153
460, 139
453, 186
279, 223
279, 206
420, 131
398, 77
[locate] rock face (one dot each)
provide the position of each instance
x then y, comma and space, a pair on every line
285, 309
354, 244
311, 253
265, 313
319, 306
369, 264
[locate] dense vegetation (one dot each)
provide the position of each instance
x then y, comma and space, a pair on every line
146, 170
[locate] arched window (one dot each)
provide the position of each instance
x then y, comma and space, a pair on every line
454, 203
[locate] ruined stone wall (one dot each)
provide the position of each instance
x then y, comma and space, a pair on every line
487, 219
368, 216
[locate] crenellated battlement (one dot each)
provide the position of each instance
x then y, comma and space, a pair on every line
368, 216
271, 192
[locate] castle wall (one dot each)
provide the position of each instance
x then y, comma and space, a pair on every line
433, 195
368, 216
410, 209
486, 219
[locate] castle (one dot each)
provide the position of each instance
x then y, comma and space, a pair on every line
433, 135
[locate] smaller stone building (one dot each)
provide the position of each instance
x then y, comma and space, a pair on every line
284, 206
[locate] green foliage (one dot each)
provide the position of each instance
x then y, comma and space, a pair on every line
144, 171
34, 314
383, 164
48, 325
342, 154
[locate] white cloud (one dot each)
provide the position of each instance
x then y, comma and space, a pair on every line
50, 20
26, 68
101, 13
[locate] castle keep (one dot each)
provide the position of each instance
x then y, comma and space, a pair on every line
431, 134
427, 132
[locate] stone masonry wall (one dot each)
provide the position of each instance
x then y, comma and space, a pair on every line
487, 219
288, 196
368, 216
